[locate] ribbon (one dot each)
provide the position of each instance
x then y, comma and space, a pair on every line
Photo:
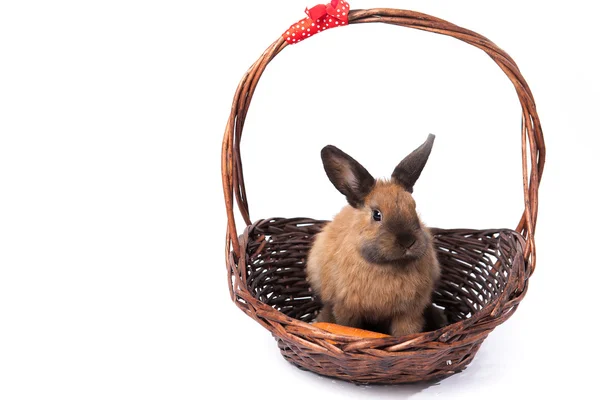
319, 18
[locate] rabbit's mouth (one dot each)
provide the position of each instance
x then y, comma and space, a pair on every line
389, 249
398, 255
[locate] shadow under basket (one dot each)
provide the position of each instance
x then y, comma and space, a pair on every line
484, 272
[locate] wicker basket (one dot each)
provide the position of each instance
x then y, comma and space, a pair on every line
484, 272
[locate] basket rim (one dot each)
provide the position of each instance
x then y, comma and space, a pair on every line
518, 277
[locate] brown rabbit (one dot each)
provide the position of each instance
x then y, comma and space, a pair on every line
374, 266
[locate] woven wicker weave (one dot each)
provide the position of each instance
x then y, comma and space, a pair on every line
484, 272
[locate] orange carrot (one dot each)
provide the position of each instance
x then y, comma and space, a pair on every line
347, 331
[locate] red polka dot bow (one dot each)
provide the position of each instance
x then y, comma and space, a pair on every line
320, 18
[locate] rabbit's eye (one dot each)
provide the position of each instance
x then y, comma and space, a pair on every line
376, 215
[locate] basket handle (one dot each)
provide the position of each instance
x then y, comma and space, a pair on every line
532, 139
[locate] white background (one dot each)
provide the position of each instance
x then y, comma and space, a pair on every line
112, 222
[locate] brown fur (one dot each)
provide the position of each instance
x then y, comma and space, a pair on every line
364, 277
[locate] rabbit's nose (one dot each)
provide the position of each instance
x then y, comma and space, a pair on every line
406, 239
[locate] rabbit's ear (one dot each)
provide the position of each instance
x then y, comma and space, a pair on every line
409, 169
347, 175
